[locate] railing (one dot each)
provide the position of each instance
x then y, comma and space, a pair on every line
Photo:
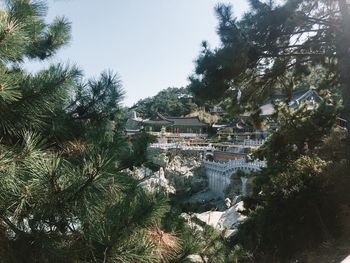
234, 165
253, 142
181, 146
180, 135
233, 148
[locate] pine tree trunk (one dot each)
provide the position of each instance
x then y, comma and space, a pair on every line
343, 54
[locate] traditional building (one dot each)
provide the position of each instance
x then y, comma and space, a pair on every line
297, 98
178, 125
243, 131
185, 127
133, 124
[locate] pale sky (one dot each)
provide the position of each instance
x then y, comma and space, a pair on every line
151, 44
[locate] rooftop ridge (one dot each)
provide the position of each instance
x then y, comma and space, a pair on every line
191, 117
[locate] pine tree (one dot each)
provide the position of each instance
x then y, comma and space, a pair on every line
275, 47
63, 195
293, 206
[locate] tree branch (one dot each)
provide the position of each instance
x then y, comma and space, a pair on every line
11, 225
319, 21
82, 188
266, 55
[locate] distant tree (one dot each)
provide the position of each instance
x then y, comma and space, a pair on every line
137, 154
169, 102
204, 116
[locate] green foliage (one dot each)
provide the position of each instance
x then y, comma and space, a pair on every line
190, 240
293, 210
293, 205
169, 102
197, 238
137, 155
24, 34
273, 48
296, 128
63, 195
276, 47
215, 247
98, 96
65, 208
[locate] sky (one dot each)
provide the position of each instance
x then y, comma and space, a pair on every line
151, 44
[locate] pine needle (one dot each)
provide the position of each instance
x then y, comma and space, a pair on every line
167, 244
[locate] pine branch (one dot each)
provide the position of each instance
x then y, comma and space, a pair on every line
81, 189
320, 21
266, 55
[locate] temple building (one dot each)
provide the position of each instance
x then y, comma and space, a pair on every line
297, 98
242, 129
184, 127
175, 124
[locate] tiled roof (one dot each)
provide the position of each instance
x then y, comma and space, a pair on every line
186, 121
157, 122
297, 97
132, 125
159, 119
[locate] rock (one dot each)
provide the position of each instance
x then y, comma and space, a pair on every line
211, 218
140, 173
231, 217
182, 173
228, 202
160, 159
157, 183
228, 219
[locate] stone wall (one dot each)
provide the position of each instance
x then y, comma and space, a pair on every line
219, 174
